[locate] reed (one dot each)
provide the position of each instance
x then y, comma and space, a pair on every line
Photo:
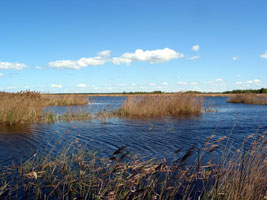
160, 106
21, 107
65, 100
249, 99
78, 174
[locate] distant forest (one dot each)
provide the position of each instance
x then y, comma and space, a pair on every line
262, 90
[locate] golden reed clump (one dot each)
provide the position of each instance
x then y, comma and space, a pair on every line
20, 107
249, 99
65, 100
161, 106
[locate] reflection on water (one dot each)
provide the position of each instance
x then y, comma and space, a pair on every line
150, 138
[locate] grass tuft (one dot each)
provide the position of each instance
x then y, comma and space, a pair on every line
160, 106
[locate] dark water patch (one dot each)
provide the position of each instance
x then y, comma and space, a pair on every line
157, 138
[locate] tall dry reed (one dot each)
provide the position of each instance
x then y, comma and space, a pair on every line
21, 107
65, 100
160, 106
77, 174
249, 99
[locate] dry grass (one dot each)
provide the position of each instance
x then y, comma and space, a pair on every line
249, 99
160, 106
27, 107
65, 100
21, 107
82, 175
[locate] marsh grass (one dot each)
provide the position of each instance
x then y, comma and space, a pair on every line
21, 107
249, 99
160, 106
78, 174
27, 107
64, 100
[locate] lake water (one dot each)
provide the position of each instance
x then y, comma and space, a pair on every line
150, 138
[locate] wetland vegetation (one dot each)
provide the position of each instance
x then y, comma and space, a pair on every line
79, 174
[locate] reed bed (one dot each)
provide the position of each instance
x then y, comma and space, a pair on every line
160, 106
249, 99
65, 100
78, 174
21, 107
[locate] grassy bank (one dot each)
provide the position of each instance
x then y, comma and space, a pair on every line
160, 106
249, 99
79, 174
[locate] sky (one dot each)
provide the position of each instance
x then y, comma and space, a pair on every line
99, 46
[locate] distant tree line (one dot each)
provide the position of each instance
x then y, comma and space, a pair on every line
141, 92
262, 90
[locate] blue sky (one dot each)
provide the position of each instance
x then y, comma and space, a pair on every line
125, 45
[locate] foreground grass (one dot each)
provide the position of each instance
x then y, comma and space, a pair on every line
160, 106
249, 99
82, 175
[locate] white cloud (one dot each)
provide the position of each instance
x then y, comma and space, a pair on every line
12, 65
255, 82
38, 67
133, 84
56, 86
182, 83
219, 80
164, 83
194, 58
152, 84
194, 83
1, 74
81, 85
196, 47
153, 56
235, 58
105, 53
264, 55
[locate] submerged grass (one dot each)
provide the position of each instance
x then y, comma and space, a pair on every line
160, 106
82, 175
249, 99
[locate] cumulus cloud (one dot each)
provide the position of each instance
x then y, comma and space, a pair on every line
196, 47
105, 53
194, 58
164, 83
81, 85
182, 83
256, 82
264, 55
150, 56
219, 80
12, 65
38, 67
152, 84
194, 83
235, 58
1, 74
56, 86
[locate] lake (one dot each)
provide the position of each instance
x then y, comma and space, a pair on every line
157, 138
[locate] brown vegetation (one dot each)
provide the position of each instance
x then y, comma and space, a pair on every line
226, 175
21, 107
160, 106
65, 100
249, 99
